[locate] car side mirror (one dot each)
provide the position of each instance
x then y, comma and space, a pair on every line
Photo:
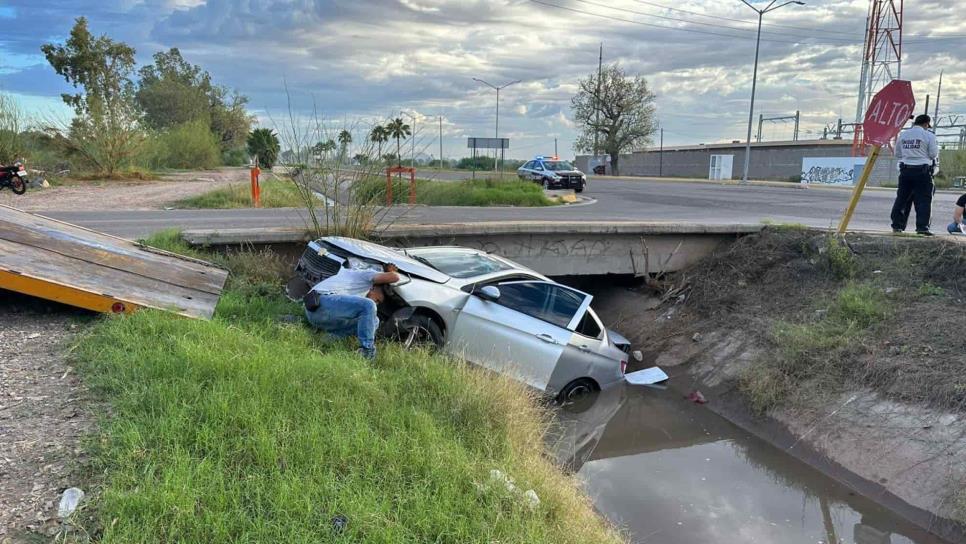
488, 293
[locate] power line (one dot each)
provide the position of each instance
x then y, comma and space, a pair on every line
743, 21
921, 39
645, 14
662, 27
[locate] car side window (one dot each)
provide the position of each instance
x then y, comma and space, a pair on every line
528, 165
537, 165
589, 326
547, 302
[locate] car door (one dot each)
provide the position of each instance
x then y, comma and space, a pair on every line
537, 173
589, 354
523, 334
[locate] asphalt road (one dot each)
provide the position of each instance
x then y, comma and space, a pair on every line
615, 200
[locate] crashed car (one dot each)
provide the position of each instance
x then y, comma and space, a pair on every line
485, 309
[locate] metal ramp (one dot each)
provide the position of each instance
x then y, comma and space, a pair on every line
65, 263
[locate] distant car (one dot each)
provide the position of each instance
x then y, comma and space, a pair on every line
487, 310
553, 173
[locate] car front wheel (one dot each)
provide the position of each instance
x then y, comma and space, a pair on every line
580, 188
421, 331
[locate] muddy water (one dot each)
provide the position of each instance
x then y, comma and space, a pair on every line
669, 471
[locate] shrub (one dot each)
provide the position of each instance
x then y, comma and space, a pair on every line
189, 145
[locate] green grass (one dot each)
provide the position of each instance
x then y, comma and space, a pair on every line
275, 194
247, 429
480, 192
815, 356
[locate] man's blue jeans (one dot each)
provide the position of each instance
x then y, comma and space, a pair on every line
347, 315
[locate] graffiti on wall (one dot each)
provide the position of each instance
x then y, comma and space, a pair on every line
831, 170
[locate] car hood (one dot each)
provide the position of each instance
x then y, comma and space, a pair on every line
384, 254
570, 172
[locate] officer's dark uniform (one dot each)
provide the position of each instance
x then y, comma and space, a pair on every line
917, 150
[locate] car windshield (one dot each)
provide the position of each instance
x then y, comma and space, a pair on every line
460, 264
559, 166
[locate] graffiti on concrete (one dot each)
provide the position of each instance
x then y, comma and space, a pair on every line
516, 247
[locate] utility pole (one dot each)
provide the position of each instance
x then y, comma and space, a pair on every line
497, 134
754, 78
555, 148
660, 156
798, 119
600, 70
935, 116
440, 142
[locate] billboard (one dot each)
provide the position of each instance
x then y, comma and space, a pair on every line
832, 170
488, 143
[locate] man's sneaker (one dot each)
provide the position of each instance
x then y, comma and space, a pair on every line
923, 233
897, 231
368, 354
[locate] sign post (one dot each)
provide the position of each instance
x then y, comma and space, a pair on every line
887, 114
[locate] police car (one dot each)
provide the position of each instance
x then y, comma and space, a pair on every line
553, 173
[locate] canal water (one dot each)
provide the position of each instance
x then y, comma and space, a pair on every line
668, 471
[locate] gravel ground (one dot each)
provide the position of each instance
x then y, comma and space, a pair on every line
44, 413
125, 195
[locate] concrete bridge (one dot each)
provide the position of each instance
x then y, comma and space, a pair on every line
552, 248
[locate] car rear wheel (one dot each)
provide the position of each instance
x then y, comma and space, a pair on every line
577, 391
421, 332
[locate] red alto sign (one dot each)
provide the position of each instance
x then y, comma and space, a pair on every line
888, 112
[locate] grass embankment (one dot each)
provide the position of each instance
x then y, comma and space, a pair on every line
274, 194
870, 313
480, 192
246, 428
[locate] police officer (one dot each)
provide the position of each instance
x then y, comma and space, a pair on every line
917, 151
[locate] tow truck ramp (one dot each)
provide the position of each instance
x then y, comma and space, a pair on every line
65, 263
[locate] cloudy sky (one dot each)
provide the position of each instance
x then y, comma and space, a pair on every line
360, 61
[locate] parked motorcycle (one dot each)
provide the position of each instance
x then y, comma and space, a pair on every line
15, 177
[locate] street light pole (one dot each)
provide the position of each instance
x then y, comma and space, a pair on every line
754, 78
497, 134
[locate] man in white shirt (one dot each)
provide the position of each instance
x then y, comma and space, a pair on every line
917, 151
346, 304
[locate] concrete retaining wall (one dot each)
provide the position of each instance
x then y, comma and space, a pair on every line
775, 161
553, 249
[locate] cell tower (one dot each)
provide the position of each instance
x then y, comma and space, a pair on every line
881, 60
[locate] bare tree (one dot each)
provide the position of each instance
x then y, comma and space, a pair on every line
621, 116
11, 127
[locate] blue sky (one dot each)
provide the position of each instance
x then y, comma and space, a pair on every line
363, 60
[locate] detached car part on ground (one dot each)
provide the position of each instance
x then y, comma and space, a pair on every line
485, 309
553, 174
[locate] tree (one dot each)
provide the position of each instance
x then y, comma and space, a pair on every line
345, 138
263, 144
621, 116
398, 129
106, 131
322, 149
173, 91
380, 135
12, 146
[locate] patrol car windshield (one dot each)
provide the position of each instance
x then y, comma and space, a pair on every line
558, 166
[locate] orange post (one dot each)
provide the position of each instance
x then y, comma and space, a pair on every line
256, 190
389, 187
412, 186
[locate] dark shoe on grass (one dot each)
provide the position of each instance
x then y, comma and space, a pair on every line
367, 354
924, 233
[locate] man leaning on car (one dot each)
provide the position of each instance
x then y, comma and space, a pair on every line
345, 304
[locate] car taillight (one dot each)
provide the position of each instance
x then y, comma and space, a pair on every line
623, 367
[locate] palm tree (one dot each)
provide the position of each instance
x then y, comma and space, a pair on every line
263, 144
322, 149
398, 130
345, 138
380, 135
